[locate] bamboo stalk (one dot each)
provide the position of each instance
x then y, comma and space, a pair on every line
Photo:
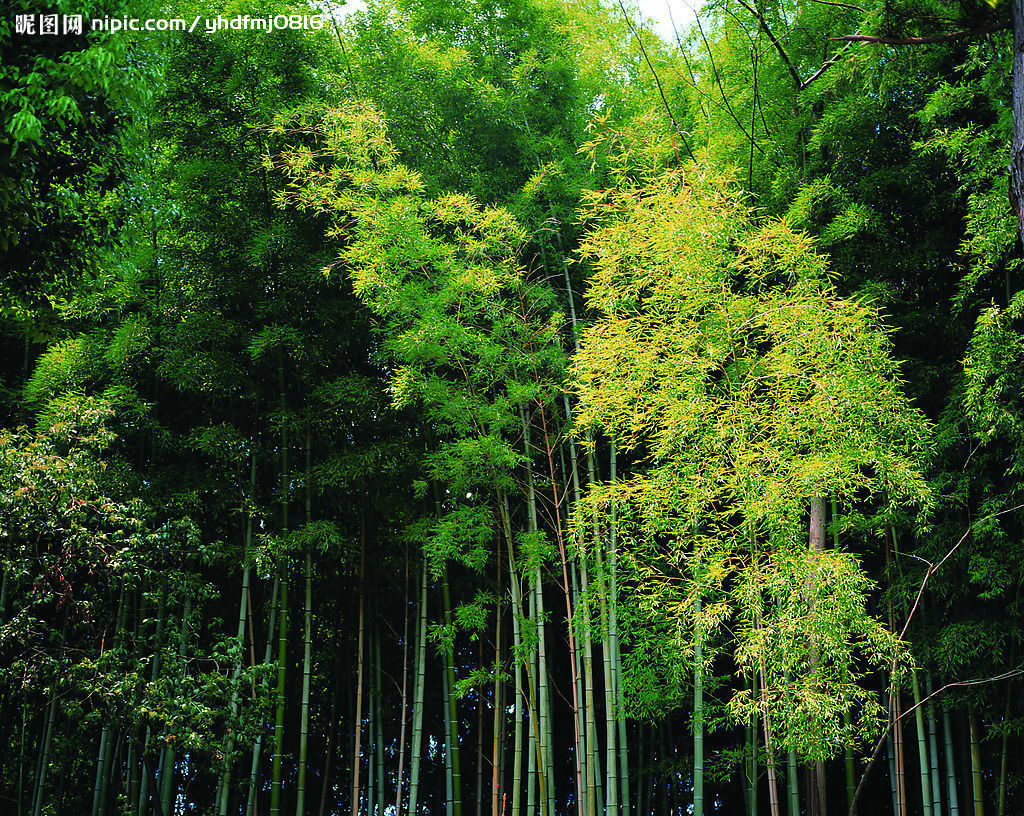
358, 725
933, 749
250, 803
307, 659
378, 702
979, 800
282, 626
513, 578
452, 715
698, 711
498, 718
922, 750
329, 754
417, 702
951, 792
224, 792
282, 657
405, 700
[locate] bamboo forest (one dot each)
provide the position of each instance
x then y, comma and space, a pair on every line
511, 408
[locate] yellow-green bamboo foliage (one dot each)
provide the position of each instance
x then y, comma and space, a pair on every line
742, 387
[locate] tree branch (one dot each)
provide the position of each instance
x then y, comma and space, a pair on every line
657, 81
826, 65
778, 46
934, 38
841, 5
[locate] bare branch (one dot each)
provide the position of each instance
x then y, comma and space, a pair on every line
826, 65
778, 46
657, 80
933, 38
932, 569
841, 5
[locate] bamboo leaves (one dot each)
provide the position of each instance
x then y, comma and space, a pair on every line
744, 387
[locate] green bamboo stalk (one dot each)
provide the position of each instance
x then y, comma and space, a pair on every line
792, 783
108, 774
329, 753
449, 775
751, 730
358, 724
951, 792
851, 784
890, 756
154, 674
773, 785
816, 541
405, 699
610, 731
378, 748
596, 789
582, 639
543, 768
513, 578
498, 719
417, 702
371, 755
900, 746
620, 708
282, 625
307, 659
452, 709
39, 789
698, 711
100, 760
170, 753
282, 657
922, 750
250, 803
533, 748
21, 760
979, 800
1005, 752
933, 748
224, 792
133, 778
479, 759
851, 774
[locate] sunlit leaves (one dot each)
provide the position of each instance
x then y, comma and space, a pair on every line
727, 365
